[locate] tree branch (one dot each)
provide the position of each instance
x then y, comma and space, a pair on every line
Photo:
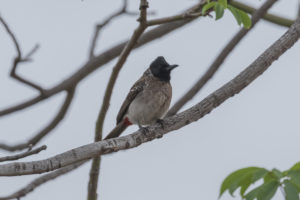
183, 16
98, 27
24, 154
41, 180
101, 60
41, 134
219, 60
269, 17
18, 59
113, 52
94, 172
175, 122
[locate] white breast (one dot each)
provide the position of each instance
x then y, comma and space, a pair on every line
148, 107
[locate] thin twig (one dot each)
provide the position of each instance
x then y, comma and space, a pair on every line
98, 27
41, 180
18, 59
94, 172
24, 154
10, 33
41, 134
175, 122
30, 53
219, 60
183, 16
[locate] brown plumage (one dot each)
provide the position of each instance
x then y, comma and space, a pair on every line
148, 99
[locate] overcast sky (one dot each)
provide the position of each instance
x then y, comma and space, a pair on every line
258, 127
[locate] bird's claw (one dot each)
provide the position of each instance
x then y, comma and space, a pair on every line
143, 130
161, 122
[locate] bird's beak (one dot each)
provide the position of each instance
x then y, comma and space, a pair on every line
171, 67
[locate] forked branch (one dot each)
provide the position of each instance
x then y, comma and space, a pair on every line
254, 70
47, 129
19, 59
213, 68
24, 154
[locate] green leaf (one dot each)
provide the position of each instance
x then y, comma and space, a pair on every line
245, 19
223, 3
295, 177
238, 178
219, 9
244, 180
264, 192
291, 192
295, 166
208, 6
268, 177
252, 194
267, 190
262, 172
255, 177
235, 12
278, 174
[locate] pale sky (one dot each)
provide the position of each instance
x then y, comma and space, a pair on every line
258, 127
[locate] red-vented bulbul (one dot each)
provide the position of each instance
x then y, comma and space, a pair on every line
148, 99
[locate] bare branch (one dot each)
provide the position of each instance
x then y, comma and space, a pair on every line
94, 172
41, 134
18, 59
98, 27
113, 52
41, 180
10, 33
30, 53
183, 16
261, 64
219, 60
101, 60
24, 154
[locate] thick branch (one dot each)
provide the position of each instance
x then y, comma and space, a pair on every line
24, 154
219, 60
269, 17
175, 122
41, 180
94, 172
41, 134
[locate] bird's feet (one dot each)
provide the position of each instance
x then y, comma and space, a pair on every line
161, 122
143, 130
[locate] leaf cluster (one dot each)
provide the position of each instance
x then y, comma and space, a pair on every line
219, 7
273, 179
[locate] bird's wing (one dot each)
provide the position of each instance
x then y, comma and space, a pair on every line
134, 91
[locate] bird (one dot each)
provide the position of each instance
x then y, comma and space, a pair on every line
148, 99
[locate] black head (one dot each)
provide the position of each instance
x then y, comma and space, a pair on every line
161, 69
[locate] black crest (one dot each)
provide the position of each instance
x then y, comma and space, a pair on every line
161, 69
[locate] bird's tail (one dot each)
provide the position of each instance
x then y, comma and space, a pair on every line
117, 131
